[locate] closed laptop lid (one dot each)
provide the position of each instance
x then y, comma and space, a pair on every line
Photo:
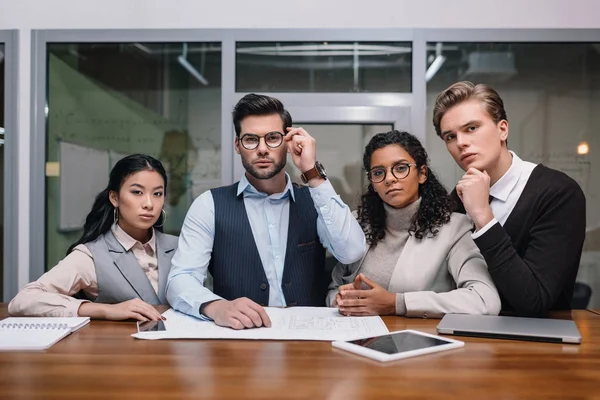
501, 327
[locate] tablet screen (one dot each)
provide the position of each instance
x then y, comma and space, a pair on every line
399, 342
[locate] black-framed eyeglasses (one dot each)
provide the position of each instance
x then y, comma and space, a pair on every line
250, 141
400, 171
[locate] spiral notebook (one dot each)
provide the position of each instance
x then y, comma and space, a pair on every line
30, 333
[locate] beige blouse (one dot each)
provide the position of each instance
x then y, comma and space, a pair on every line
51, 295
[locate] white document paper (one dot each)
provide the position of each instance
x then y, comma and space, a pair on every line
294, 323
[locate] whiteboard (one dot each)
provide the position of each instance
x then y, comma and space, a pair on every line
83, 174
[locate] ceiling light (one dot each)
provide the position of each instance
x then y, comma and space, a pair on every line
182, 59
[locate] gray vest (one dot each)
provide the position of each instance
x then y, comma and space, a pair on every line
120, 276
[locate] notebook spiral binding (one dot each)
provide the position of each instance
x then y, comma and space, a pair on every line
34, 326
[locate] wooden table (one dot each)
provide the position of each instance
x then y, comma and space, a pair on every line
103, 361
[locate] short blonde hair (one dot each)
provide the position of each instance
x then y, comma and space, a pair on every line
463, 91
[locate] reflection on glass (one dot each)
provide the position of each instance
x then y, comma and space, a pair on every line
2, 136
551, 93
323, 67
106, 101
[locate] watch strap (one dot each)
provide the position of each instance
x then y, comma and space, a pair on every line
310, 174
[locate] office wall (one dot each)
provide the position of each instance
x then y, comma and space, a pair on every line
150, 14
26, 15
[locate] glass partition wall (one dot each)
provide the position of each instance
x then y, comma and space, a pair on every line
324, 67
108, 100
551, 92
170, 94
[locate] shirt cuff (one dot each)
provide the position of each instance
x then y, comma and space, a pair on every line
204, 317
322, 193
486, 228
400, 304
73, 307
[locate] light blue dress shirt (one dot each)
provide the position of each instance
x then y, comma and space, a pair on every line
268, 215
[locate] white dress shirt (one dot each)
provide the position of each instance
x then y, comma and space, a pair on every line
268, 215
507, 191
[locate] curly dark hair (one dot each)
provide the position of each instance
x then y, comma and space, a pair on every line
436, 206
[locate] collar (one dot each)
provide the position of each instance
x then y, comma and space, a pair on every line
128, 242
502, 188
400, 219
245, 187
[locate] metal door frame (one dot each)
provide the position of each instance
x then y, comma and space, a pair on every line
10, 40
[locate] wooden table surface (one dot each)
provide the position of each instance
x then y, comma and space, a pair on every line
103, 361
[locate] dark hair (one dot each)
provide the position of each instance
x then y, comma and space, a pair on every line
463, 91
101, 217
258, 104
436, 206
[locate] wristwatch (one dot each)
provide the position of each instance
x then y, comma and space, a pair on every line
317, 170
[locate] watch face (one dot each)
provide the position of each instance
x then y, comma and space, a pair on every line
321, 169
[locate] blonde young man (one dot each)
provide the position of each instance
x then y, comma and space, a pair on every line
529, 219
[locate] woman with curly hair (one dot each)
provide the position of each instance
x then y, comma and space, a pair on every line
421, 261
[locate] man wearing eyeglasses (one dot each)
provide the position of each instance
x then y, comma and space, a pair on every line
262, 239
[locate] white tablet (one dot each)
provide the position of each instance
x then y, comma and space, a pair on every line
398, 345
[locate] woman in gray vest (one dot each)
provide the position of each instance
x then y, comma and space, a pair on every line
421, 261
118, 268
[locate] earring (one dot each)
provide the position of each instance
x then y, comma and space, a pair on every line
164, 213
116, 215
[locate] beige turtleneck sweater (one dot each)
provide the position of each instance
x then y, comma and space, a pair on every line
381, 260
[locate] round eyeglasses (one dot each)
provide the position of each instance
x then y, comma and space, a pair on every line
400, 171
250, 141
